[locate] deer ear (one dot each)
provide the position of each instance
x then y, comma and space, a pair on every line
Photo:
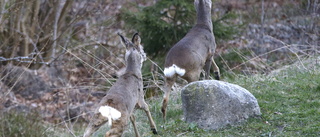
125, 42
136, 39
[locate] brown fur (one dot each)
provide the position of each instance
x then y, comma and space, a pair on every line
125, 95
193, 52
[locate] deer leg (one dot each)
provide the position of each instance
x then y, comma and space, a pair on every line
115, 132
145, 107
133, 121
168, 84
117, 127
193, 75
97, 120
206, 68
216, 70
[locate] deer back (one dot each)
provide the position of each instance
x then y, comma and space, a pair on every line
198, 45
193, 49
126, 93
128, 88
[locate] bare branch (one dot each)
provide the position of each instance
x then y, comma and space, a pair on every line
55, 28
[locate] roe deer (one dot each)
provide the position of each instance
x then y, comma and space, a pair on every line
124, 96
192, 53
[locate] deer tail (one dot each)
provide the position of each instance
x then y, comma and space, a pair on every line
110, 113
174, 69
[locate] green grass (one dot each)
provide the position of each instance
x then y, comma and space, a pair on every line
289, 102
23, 125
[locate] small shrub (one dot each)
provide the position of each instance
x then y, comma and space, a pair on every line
162, 24
166, 22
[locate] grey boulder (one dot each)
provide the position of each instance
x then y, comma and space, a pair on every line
213, 104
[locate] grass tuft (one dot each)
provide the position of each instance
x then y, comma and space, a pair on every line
22, 125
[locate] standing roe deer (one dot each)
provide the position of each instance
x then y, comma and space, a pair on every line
192, 53
124, 96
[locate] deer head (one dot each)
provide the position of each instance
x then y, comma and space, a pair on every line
199, 4
135, 55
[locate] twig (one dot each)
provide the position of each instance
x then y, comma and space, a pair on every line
287, 46
284, 46
55, 28
65, 123
14, 84
27, 38
257, 57
25, 59
262, 20
2, 11
224, 61
181, 134
90, 66
155, 83
155, 64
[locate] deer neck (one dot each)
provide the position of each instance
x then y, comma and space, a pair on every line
204, 14
133, 67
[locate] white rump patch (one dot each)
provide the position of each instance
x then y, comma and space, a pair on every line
110, 113
174, 69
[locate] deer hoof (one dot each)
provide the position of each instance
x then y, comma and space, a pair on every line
154, 131
217, 75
